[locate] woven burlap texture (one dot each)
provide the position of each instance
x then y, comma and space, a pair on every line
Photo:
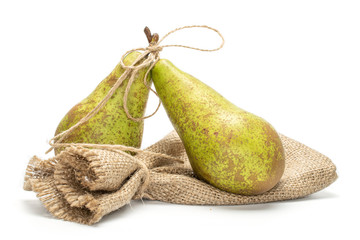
82, 185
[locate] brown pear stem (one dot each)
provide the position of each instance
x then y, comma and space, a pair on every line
148, 34
155, 38
152, 38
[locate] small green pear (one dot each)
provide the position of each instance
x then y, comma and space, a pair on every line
111, 124
228, 147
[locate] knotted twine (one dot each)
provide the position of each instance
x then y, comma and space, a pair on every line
87, 181
148, 58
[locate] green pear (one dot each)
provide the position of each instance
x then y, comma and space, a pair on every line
228, 147
111, 124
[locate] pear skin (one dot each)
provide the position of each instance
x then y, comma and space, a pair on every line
228, 147
110, 125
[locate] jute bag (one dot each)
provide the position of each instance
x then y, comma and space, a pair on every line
82, 184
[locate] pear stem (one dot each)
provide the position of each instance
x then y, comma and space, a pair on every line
152, 38
148, 34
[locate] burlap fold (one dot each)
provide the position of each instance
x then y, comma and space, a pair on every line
83, 185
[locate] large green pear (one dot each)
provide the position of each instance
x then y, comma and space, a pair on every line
230, 148
111, 124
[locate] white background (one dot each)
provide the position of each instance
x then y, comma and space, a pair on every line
295, 63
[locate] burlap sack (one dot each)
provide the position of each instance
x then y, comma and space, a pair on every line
83, 185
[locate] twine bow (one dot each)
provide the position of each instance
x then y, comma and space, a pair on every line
149, 57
